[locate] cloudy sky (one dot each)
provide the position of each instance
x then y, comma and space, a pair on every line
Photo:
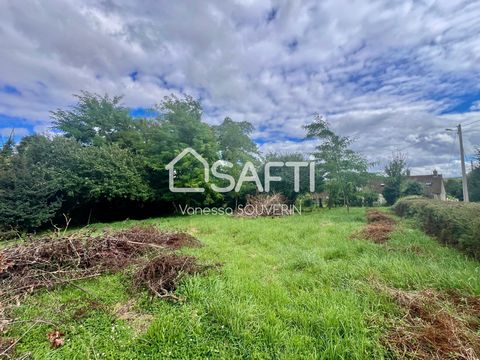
391, 74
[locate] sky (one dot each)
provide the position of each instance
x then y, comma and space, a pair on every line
393, 75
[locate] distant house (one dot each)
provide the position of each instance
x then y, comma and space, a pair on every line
433, 184
377, 185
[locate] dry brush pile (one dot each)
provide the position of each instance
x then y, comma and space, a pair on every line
436, 325
51, 261
54, 261
379, 227
264, 205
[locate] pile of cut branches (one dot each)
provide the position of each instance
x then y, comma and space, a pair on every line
56, 260
264, 205
64, 259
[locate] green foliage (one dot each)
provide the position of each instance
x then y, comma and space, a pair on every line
179, 126
454, 188
474, 179
395, 171
237, 147
305, 202
295, 287
106, 159
27, 193
234, 141
344, 169
369, 197
96, 120
48, 176
412, 188
453, 223
286, 185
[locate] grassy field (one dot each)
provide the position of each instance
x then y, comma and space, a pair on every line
289, 288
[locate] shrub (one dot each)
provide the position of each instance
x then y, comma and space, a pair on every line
306, 202
413, 188
453, 223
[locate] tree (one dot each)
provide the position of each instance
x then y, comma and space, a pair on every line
104, 159
286, 185
344, 169
395, 171
412, 188
27, 193
238, 148
454, 188
474, 179
178, 126
234, 141
48, 177
97, 120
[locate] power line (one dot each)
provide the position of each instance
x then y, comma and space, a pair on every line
470, 123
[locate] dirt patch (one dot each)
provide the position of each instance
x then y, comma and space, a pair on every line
379, 227
162, 273
436, 325
375, 216
7, 346
137, 320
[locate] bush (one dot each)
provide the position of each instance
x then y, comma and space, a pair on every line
453, 223
306, 202
413, 188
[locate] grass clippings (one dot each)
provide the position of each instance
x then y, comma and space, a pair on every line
436, 325
375, 217
378, 229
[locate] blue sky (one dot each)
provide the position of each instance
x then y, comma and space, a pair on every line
391, 74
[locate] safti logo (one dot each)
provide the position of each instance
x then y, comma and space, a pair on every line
248, 174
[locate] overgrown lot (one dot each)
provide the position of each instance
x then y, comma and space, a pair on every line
289, 287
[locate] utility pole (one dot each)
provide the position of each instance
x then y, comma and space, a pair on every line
462, 158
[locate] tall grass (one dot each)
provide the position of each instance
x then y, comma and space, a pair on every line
294, 287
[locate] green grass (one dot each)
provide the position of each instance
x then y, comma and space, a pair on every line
290, 288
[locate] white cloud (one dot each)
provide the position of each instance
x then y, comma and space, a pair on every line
383, 71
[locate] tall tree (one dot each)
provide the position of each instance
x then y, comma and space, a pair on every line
234, 141
396, 173
237, 147
180, 126
97, 120
344, 169
286, 185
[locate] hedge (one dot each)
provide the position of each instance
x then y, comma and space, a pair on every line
453, 223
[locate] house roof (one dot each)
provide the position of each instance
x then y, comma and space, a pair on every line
433, 183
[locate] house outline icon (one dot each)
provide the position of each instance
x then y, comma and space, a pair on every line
171, 171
